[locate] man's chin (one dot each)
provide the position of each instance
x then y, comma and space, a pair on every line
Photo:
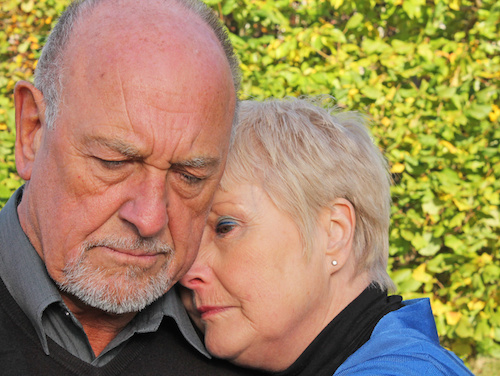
116, 294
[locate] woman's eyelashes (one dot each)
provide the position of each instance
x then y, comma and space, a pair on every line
225, 225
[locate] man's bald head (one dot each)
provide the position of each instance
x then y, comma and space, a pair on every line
49, 73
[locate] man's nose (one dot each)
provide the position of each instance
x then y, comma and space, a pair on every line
147, 207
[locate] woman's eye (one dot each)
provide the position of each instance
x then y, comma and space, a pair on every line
225, 226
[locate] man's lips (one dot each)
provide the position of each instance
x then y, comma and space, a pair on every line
208, 311
132, 256
134, 252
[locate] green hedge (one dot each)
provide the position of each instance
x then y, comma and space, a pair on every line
428, 73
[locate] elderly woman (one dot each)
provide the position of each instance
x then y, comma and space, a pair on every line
291, 276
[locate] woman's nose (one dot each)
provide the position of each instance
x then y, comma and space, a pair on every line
201, 272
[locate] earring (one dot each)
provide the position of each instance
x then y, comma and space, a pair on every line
334, 262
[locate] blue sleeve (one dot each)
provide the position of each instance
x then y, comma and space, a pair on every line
404, 343
406, 365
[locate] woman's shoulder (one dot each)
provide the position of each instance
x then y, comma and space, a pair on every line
404, 342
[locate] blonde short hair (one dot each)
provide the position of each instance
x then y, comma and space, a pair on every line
305, 156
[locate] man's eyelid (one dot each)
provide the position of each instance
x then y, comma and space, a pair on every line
111, 164
113, 159
191, 178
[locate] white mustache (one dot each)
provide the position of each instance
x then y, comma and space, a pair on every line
146, 245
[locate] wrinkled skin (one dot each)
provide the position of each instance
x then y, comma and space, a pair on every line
256, 295
137, 151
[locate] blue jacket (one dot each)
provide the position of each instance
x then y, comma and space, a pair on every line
404, 342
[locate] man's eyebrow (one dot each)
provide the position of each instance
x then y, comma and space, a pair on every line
132, 152
199, 162
119, 146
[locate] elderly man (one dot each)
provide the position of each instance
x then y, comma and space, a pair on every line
122, 141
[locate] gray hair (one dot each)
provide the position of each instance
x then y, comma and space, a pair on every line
305, 156
49, 70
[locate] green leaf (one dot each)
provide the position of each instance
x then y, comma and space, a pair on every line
228, 6
354, 21
464, 328
430, 250
372, 93
432, 207
478, 111
27, 6
445, 92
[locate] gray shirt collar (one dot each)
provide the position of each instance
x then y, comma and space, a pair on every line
27, 280
22, 270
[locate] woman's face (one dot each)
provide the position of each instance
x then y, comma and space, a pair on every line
259, 299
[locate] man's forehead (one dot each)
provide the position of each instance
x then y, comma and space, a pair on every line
155, 25
160, 61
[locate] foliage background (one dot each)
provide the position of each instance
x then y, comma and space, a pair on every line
427, 72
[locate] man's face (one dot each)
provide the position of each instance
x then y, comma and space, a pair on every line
120, 188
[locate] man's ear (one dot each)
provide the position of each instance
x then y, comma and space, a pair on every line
341, 225
30, 125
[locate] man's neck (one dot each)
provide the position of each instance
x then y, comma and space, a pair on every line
99, 326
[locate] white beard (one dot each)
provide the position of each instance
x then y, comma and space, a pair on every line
129, 291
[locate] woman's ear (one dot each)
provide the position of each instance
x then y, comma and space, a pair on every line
341, 224
30, 119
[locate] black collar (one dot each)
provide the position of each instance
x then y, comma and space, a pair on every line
345, 334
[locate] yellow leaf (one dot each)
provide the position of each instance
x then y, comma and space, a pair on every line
438, 308
484, 259
454, 4
353, 91
448, 145
452, 318
476, 305
385, 121
495, 113
462, 206
397, 168
391, 93
28, 6
452, 57
420, 274
336, 3
484, 315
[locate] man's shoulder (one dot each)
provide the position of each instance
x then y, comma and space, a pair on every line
404, 342
10, 229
